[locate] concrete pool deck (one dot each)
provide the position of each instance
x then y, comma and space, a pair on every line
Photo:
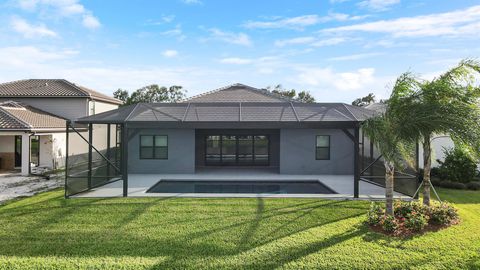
140, 183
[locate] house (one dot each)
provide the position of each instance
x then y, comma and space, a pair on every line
33, 116
234, 132
439, 142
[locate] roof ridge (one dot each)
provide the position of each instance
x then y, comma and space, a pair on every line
76, 87
16, 118
247, 87
210, 92
345, 105
131, 112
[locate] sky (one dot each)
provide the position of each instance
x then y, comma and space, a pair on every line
336, 49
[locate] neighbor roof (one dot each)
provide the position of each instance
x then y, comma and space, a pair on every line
238, 93
232, 112
17, 116
51, 88
378, 107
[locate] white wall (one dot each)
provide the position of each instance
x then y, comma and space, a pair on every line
46, 151
439, 142
70, 108
102, 106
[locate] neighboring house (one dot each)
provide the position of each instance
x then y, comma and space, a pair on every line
237, 126
33, 120
438, 143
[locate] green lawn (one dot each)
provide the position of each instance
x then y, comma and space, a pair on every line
49, 232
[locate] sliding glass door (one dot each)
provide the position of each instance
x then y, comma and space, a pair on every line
237, 150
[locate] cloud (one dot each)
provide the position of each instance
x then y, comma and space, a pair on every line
63, 8
192, 2
175, 32
29, 30
163, 20
294, 41
455, 23
236, 61
329, 41
300, 22
329, 79
27, 57
90, 22
378, 5
310, 41
354, 56
230, 37
170, 53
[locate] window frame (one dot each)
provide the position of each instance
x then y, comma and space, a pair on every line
322, 147
154, 147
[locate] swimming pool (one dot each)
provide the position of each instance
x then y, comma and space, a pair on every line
242, 186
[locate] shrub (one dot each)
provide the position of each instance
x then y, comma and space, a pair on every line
389, 224
459, 166
411, 216
375, 214
473, 185
442, 214
416, 221
454, 185
404, 209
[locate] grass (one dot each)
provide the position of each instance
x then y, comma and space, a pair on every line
49, 232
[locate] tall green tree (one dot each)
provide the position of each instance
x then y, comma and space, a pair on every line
448, 104
383, 132
151, 93
364, 101
302, 96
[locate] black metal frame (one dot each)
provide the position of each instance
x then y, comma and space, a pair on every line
236, 150
91, 148
402, 175
316, 147
154, 147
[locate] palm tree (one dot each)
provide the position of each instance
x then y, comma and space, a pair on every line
383, 132
448, 104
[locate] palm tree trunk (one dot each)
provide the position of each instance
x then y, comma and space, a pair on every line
427, 167
389, 178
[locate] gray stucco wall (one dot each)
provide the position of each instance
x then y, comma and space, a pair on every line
70, 108
297, 152
181, 152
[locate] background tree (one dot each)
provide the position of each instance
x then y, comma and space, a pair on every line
151, 93
303, 96
121, 94
364, 101
448, 104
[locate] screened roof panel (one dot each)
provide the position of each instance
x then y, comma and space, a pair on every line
233, 112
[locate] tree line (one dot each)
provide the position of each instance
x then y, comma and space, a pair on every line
175, 93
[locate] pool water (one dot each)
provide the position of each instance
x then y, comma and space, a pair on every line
252, 186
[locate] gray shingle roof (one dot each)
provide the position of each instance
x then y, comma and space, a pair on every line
232, 112
237, 93
51, 88
378, 107
17, 116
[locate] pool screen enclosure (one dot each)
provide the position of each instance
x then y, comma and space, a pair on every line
92, 161
97, 145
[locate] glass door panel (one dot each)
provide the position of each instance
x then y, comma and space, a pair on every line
229, 150
212, 153
18, 151
245, 150
261, 150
